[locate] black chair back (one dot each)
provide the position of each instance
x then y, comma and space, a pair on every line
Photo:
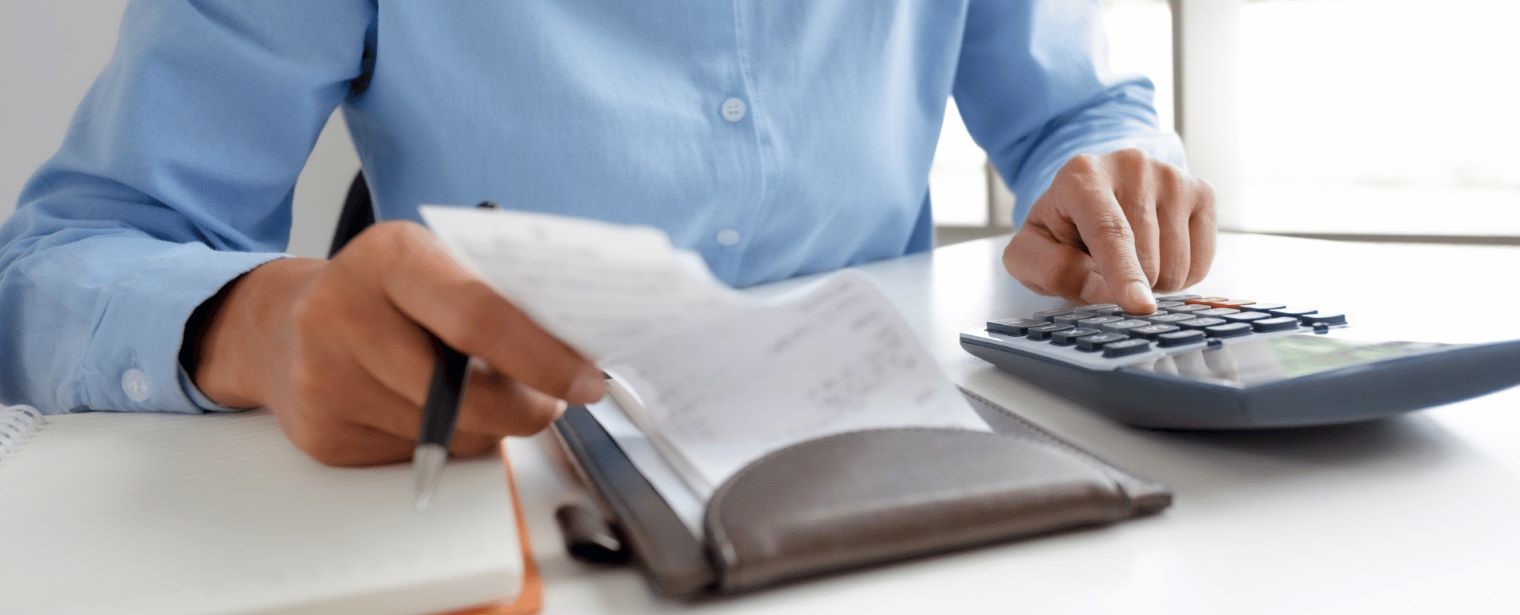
358, 214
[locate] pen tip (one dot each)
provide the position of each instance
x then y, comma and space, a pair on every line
427, 469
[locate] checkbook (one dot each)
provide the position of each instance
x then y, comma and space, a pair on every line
768, 439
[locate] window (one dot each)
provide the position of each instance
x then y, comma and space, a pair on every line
1339, 117
1380, 116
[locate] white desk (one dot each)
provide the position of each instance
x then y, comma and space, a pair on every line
1419, 514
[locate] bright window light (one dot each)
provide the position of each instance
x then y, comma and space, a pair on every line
1380, 116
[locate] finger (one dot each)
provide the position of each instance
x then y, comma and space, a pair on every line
498, 406
1138, 199
1107, 233
1202, 235
492, 404
472, 445
1047, 266
393, 350
347, 391
335, 442
1173, 215
482, 419
430, 288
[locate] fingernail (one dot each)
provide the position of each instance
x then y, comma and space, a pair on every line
560, 408
588, 387
1137, 294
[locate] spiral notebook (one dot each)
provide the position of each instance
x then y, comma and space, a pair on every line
218, 513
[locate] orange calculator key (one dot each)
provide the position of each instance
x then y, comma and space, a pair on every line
1220, 302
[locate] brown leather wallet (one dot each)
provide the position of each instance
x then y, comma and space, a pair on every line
859, 498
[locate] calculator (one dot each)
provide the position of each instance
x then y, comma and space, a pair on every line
1219, 363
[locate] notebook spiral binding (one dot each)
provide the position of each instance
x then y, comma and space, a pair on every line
17, 424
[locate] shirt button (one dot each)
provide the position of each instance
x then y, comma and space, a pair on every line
135, 383
728, 237
734, 109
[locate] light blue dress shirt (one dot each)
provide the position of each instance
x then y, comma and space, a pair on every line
775, 137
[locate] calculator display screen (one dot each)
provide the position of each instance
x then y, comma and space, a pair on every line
1272, 359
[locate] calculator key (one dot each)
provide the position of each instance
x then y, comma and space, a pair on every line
1048, 315
1094, 343
1246, 317
1229, 329
1215, 312
1292, 312
1263, 307
1275, 323
1125, 348
1167, 305
1013, 326
1134, 316
1070, 319
1042, 332
1187, 308
1179, 338
1098, 321
1098, 308
1201, 323
1205, 300
1151, 332
1169, 319
1103, 310
1311, 320
1070, 336
1123, 326
1176, 297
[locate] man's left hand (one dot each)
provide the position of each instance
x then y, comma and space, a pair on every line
1114, 228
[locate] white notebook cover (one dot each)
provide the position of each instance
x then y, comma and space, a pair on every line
162, 514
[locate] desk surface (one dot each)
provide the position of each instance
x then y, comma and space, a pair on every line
1416, 514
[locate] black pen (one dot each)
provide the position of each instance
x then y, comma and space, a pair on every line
438, 413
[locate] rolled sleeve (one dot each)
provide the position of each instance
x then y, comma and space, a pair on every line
1034, 88
176, 176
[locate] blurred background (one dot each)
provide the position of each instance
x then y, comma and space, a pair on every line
1376, 120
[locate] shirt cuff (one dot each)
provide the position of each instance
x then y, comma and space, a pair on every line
133, 361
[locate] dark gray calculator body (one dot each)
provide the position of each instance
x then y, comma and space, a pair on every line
1190, 373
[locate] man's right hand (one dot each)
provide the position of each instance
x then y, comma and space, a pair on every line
337, 350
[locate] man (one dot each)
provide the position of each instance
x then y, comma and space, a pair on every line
141, 270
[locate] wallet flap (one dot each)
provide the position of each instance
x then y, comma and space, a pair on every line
871, 496
1148, 496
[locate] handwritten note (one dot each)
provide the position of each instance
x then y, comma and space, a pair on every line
721, 378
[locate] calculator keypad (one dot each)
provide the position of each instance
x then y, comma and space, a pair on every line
1179, 320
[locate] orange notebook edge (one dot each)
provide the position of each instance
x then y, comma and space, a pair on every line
531, 598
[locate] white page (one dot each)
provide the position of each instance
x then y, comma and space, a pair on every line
594, 285
831, 358
219, 513
724, 378
652, 464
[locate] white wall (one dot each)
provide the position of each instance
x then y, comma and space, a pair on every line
50, 52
